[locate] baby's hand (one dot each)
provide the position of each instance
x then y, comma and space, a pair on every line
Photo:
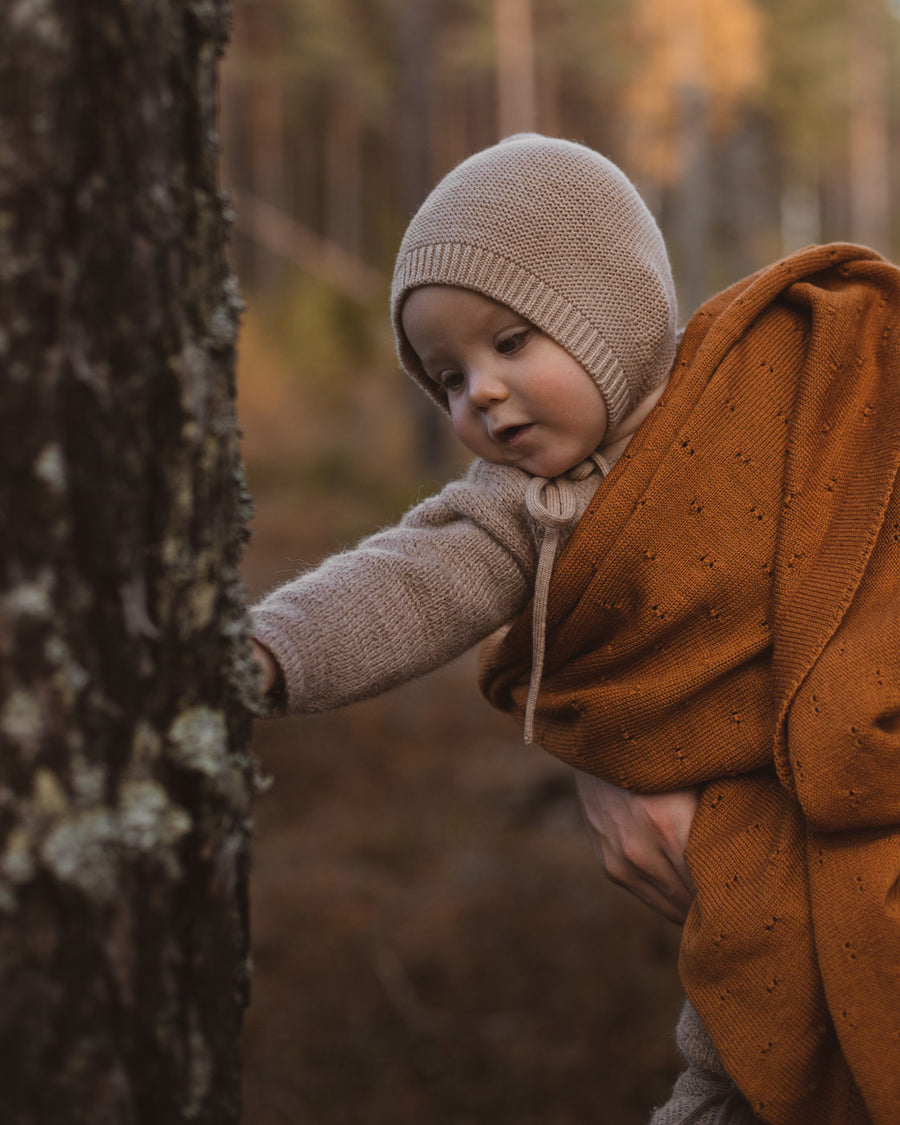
640, 841
269, 673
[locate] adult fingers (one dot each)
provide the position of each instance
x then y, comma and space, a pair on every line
640, 841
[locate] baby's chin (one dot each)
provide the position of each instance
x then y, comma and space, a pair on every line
546, 467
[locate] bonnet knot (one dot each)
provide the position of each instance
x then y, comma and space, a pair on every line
548, 504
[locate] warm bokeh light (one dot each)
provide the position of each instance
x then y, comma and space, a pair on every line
703, 57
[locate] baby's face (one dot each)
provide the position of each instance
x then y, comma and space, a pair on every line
516, 397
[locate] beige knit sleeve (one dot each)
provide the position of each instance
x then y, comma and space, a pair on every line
408, 598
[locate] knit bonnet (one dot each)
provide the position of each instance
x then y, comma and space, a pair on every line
556, 232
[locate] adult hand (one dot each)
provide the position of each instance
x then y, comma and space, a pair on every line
640, 841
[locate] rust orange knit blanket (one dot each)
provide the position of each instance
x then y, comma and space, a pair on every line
728, 612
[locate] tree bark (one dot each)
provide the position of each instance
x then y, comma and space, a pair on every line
124, 668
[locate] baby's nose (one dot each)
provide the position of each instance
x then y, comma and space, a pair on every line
485, 388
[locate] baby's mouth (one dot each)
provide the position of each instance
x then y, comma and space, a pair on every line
507, 435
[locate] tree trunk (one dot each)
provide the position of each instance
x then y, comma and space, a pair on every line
124, 667
417, 42
258, 98
870, 148
516, 78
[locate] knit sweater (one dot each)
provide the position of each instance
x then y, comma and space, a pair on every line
414, 596
728, 612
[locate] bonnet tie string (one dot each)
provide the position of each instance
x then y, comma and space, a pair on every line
552, 505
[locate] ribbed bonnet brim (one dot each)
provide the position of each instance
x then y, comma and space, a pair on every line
474, 268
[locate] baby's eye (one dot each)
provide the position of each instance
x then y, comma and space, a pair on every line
510, 343
451, 380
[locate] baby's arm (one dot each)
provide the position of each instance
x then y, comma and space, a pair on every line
640, 841
405, 600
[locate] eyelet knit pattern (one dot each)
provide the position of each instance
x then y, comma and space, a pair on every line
558, 233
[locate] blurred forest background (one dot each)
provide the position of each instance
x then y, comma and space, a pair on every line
433, 939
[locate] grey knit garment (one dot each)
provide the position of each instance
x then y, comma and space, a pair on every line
703, 1093
558, 233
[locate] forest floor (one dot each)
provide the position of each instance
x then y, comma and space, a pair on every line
433, 940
